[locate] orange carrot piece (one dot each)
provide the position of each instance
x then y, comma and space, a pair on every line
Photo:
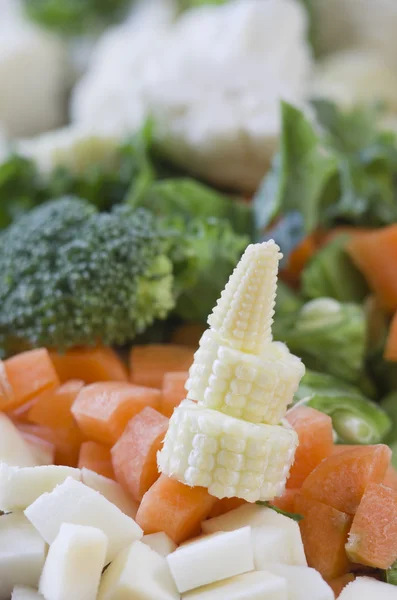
90, 365
286, 501
390, 479
174, 508
373, 534
150, 363
340, 480
324, 534
24, 376
299, 258
96, 457
224, 506
188, 334
173, 391
66, 443
52, 409
375, 254
338, 448
314, 430
341, 582
134, 455
391, 342
102, 410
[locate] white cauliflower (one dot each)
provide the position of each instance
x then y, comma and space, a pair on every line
32, 74
355, 76
370, 24
212, 81
72, 147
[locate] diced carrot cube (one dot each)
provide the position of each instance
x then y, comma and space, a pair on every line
102, 410
224, 506
24, 376
188, 334
390, 479
341, 582
67, 443
173, 391
134, 455
96, 457
324, 534
299, 258
375, 254
286, 501
340, 480
150, 363
314, 430
90, 365
373, 534
174, 508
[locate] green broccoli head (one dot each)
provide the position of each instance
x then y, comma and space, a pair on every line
72, 276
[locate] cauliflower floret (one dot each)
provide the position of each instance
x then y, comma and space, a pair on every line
371, 24
72, 147
212, 81
32, 74
355, 76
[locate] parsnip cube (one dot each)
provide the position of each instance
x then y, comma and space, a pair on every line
73, 502
211, 559
260, 517
302, 582
111, 490
366, 588
257, 585
20, 592
22, 554
14, 451
271, 544
138, 573
74, 564
19, 487
160, 543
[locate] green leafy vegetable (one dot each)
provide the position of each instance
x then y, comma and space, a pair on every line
293, 516
74, 17
389, 404
329, 336
287, 301
341, 169
20, 188
331, 273
391, 574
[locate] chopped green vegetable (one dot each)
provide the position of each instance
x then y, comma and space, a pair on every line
73, 276
287, 301
331, 273
329, 336
20, 188
391, 574
355, 418
293, 516
340, 171
74, 17
389, 404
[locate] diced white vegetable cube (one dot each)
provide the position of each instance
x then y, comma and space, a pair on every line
160, 543
111, 490
257, 585
366, 588
303, 583
211, 559
260, 516
271, 544
138, 573
19, 487
22, 554
14, 451
74, 502
20, 592
74, 564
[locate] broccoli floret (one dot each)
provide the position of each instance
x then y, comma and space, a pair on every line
73, 276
